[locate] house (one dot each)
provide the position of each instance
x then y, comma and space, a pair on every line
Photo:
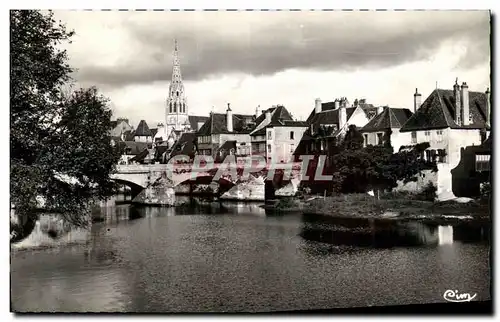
387, 120
185, 145
473, 170
449, 120
328, 122
135, 152
120, 127
276, 134
221, 128
143, 133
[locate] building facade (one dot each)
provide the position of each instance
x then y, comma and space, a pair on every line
328, 122
226, 134
449, 120
387, 120
276, 134
143, 133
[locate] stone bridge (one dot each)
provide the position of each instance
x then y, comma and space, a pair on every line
140, 176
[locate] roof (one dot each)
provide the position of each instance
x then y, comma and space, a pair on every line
135, 148
227, 146
390, 118
153, 132
143, 129
216, 124
140, 156
288, 124
279, 114
438, 112
185, 145
194, 120
128, 135
330, 116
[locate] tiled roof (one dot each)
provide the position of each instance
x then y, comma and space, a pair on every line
288, 124
129, 135
135, 148
153, 132
194, 120
330, 116
279, 114
389, 118
185, 145
216, 124
438, 112
142, 129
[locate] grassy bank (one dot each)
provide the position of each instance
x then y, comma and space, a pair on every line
361, 205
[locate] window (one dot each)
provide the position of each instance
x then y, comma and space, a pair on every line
269, 148
291, 135
322, 145
427, 133
269, 135
413, 137
292, 148
380, 138
470, 118
439, 135
482, 162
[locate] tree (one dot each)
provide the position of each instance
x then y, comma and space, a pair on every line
60, 143
358, 169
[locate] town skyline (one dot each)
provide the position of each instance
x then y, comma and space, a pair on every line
244, 65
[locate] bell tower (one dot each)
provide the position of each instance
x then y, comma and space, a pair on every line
176, 106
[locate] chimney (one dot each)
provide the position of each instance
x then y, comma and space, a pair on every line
458, 105
465, 104
337, 103
417, 100
488, 107
342, 116
317, 105
268, 116
229, 118
257, 111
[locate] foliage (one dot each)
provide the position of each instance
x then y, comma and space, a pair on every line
60, 143
428, 193
485, 190
357, 169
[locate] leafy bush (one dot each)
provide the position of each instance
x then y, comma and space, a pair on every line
428, 193
485, 190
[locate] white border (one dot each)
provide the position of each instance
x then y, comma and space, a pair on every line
191, 4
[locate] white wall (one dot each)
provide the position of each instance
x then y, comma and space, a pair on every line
143, 139
282, 147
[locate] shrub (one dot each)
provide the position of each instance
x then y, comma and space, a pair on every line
428, 193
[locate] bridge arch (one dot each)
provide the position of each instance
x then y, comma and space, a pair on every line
134, 187
223, 184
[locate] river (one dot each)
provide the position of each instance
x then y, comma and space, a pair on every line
236, 258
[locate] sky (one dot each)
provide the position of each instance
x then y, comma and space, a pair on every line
252, 59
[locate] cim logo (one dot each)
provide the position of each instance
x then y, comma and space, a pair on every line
454, 296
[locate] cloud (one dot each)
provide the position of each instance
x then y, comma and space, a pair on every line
136, 47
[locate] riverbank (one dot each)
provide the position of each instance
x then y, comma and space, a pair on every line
388, 206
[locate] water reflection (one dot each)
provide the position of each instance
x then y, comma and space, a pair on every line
390, 233
237, 259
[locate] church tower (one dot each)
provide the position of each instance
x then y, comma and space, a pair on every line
177, 107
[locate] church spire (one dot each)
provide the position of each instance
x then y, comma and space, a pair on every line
176, 70
176, 109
